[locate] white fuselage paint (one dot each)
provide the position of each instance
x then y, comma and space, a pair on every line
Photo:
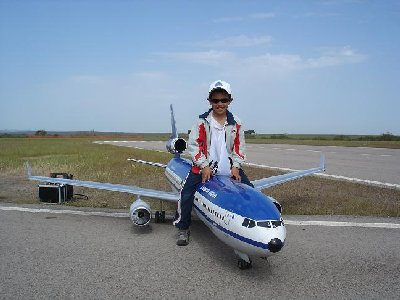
221, 221
227, 226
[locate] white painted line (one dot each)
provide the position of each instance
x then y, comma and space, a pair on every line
126, 215
269, 167
315, 151
363, 181
385, 155
290, 149
343, 224
65, 211
356, 180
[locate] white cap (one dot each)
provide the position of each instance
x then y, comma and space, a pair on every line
220, 84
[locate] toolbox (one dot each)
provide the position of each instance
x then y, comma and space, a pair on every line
54, 192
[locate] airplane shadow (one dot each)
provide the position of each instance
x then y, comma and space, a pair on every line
141, 230
224, 255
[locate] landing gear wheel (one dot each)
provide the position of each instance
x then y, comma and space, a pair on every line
157, 217
162, 215
244, 265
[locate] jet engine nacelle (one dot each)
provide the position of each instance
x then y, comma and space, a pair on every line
140, 213
176, 145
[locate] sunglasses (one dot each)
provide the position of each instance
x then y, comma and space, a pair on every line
223, 100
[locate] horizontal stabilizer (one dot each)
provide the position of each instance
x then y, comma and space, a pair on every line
168, 196
264, 183
147, 162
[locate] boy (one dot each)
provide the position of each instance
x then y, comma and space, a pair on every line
216, 145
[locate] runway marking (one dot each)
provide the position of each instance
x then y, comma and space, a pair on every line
343, 224
315, 151
126, 215
386, 155
290, 149
356, 180
64, 211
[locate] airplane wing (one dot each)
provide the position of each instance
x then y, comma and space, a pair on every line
264, 183
168, 196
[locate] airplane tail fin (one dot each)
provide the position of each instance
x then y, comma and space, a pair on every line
174, 133
175, 145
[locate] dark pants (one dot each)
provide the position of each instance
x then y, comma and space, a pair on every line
183, 214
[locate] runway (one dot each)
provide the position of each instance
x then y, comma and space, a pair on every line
377, 166
48, 255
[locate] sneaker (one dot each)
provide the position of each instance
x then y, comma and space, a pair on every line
183, 237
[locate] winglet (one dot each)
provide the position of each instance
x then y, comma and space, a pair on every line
28, 169
174, 133
322, 162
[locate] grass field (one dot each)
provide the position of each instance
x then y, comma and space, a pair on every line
106, 163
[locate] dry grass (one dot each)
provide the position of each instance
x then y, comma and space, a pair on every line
105, 163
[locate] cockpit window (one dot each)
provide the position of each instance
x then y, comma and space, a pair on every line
249, 223
252, 224
269, 224
264, 224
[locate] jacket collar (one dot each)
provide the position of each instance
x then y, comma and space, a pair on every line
229, 117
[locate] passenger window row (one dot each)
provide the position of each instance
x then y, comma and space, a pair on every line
210, 210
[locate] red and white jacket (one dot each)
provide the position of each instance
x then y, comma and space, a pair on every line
200, 140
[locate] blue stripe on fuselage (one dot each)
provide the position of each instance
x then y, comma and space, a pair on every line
231, 233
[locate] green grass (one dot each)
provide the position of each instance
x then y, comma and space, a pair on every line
106, 163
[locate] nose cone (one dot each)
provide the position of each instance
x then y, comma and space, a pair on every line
275, 245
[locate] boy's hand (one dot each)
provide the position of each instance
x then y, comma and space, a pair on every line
235, 174
205, 174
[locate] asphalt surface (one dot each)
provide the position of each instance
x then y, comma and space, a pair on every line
62, 256
371, 164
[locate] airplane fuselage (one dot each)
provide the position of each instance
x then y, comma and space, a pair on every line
239, 215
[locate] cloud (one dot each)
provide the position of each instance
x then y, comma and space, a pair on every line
238, 41
255, 16
335, 56
269, 62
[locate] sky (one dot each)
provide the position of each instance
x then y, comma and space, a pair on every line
296, 67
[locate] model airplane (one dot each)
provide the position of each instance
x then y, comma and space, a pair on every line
240, 216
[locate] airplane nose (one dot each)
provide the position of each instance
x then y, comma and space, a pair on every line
275, 245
